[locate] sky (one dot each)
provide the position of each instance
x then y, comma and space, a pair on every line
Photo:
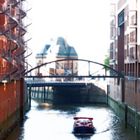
83, 23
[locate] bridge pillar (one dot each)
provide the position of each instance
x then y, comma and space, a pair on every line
30, 90
44, 93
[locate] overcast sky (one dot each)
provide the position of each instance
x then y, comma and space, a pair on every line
83, 23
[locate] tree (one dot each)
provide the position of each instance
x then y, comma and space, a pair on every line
106, 63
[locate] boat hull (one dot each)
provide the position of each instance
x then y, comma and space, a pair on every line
83, 130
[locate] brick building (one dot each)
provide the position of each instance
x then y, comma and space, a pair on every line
12, 63
125, 52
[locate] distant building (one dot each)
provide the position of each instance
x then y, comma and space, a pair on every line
56, 50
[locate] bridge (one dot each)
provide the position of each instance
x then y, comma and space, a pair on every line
71, 84
71, 68
69, 76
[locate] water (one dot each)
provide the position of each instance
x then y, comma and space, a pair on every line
47, 122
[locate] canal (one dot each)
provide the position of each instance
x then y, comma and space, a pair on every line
55, 122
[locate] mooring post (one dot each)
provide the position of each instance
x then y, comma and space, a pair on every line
126, 110
108, 91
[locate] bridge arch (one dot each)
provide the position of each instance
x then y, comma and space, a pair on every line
114, 73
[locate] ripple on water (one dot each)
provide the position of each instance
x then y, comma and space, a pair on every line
45, 121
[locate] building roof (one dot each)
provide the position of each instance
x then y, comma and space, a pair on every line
63, 49
44, 51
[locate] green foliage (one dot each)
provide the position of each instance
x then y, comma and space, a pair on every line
106, 62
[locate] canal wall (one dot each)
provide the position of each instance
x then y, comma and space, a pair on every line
97, 94
12, 105
124, 100
129, 116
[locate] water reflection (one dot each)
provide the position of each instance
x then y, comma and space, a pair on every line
67, 109
45, 121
